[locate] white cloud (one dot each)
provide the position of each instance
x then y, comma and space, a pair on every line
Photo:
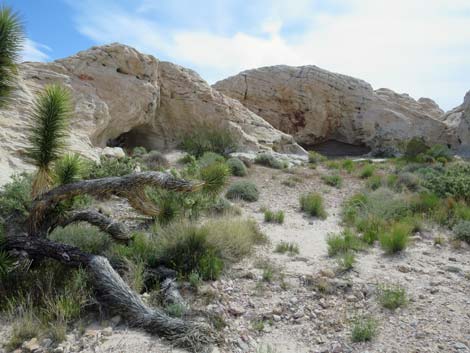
415, 46
33, 51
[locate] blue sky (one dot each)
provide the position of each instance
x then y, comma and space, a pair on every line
421, 47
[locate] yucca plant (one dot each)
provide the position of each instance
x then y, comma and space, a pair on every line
11, 43
48, 132
68, 169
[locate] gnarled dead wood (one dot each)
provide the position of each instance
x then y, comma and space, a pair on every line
113, 292
130, 187
117, 230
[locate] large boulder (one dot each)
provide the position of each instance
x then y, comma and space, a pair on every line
123, 97
315, 105
459, 120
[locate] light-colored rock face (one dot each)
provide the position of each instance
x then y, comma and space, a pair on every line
117, 90
315, 105
459, 120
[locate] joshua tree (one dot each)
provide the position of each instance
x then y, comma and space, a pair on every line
48, 133
11, 41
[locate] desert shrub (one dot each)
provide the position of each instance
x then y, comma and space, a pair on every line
374, 182
139, 151
170, 204
110, 166
391, 296
396, 238
333, 165
454, 181
312, 204
221, 206
315, 157
371, 226
274, 216
16, 195
333, 180
462, 231
209, 158
409, 180
367, 171
155, 160
25, 327
244, 190
286, 247
141, 248
209, 138
346, 260
292, 181
270, 161
343, 242
88, 238
237, 167
364, 329
440, 152
215, 176
348, 165
414, 147
424, 202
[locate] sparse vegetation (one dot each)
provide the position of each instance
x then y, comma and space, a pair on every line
391, 296
315, 157
343, 242
286, 247
243, 190
462, 231
346, 260
367, 171
270, 161
312, 204
209, 138
334, 180
364, 328
274, 216
396, 239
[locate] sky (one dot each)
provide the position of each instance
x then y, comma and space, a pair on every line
419, 47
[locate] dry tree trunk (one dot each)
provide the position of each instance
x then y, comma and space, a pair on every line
117, 230
115, 293
130, 187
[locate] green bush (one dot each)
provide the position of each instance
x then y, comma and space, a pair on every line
409, 180
348, 165
396, 239
454, 181
343, 243
414, 147
237, 167
346, 261
88, 238
312, 204
209, 138
274, 216
215, 177
367, 171
16, 195
139, 151
462, 231
155, 160
364, 329
270, 161
391, 296
110, 166
440, 152
333, 180
209, 158
333, 165
374, 182
68, 169
244, 190
315, 157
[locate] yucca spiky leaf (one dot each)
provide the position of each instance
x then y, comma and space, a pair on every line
48, 133
215, 177
68, 169
11, 43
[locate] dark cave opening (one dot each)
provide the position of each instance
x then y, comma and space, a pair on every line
335, 148
140, 136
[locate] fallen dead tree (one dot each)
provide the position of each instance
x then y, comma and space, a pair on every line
110, 288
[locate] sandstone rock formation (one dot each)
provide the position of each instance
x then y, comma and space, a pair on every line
459, 120
316, 105
122, 94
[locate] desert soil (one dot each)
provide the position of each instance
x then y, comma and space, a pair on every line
308, 306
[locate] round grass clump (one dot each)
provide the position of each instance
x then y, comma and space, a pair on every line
243, 190
237, 167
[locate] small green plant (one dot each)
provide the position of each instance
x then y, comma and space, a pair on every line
333, 165
83, 236
68, 169
215, 177
237, 167
346, 261
155, 160
244, 190
195, 279
270, 161
439, 240
175, 310
292, 181
16, 195
374, 182
396, 239
258, 325
24, 328
343, 242
110, 166
364, 329
315, 157
348, 165
415, 147
209, 158
333, 180
462, 231
274, 216
391, 296
286, 247
312, 204
367, 171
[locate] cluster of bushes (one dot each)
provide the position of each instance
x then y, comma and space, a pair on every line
312, 205
209, 138
418, 151
268, 160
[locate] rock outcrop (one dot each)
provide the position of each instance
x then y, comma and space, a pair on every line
459, 120
122, 94
316, 105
